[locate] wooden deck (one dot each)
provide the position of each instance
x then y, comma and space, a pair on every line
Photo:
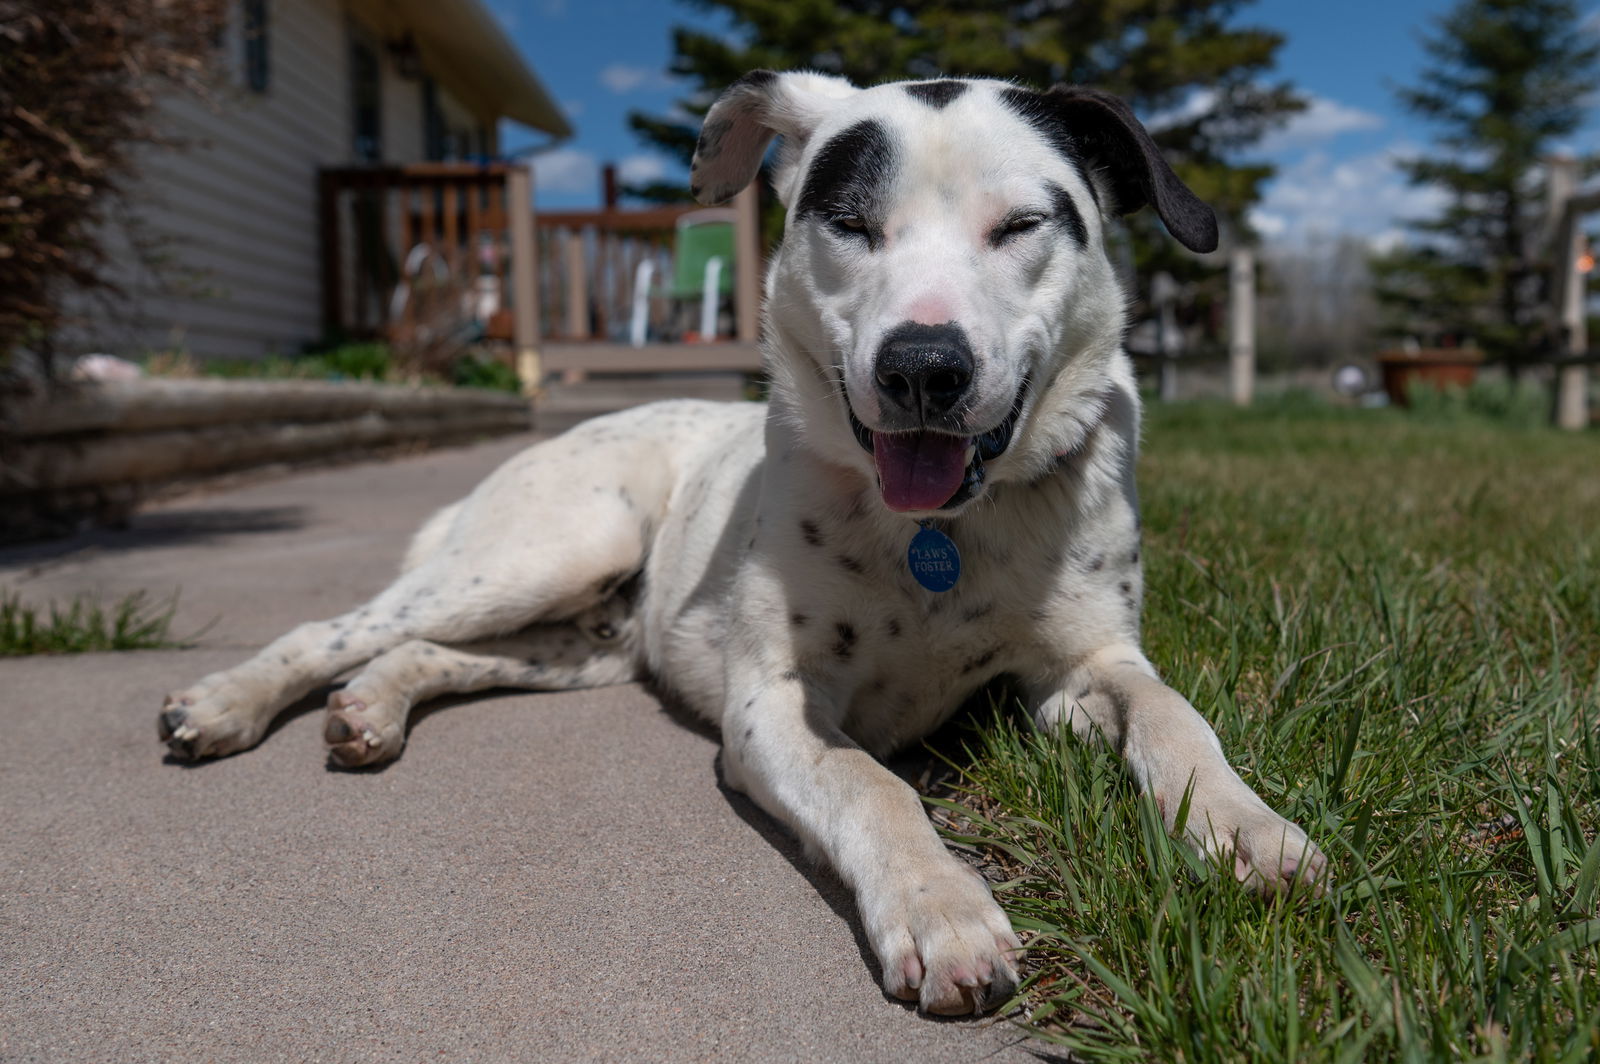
406, 250
606, 358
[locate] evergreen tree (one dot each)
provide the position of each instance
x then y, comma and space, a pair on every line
1505, 83
1179, 58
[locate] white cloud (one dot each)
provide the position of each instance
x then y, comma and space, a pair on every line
1322, 120
1365, 195
566, 170
638, 169
621, 78
1198, 103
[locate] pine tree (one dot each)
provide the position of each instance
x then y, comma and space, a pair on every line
1180, 58
1505, 83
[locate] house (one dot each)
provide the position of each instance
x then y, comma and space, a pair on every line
308, 85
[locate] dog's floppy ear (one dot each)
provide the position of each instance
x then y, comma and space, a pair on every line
1102, 129
749, 113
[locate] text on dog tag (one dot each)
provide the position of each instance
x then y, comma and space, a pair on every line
935, 562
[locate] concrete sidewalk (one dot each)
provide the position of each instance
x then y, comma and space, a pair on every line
541, 877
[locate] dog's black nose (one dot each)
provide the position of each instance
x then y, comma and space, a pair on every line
923, 369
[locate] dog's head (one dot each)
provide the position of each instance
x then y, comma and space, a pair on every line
942, 311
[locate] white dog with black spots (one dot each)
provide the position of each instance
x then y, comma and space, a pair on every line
943, 334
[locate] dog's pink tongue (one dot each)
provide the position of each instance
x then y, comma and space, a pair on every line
919, 470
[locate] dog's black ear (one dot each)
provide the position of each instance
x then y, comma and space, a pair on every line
749, 113
1102, 130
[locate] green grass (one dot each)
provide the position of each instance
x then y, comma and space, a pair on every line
1393, 623
84, 625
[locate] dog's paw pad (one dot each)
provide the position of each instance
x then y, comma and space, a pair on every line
358, 734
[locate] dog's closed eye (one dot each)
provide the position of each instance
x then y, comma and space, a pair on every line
1014, 225
850, 225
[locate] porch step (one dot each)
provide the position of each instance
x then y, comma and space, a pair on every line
564, 405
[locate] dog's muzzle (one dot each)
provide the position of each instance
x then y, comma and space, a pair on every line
925, 471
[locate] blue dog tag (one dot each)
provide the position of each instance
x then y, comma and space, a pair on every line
934, 560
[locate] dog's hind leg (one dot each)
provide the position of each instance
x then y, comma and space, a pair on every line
548, 535
366, 722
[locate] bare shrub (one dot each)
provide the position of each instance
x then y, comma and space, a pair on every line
79, 82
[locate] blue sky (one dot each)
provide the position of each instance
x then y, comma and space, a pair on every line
603, 58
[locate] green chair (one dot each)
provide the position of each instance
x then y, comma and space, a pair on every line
702, 268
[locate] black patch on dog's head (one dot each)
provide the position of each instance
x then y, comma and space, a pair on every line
1032, 108
848, 172
1067, 218
1099, 129
936, 94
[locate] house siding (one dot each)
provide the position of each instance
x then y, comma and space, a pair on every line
235, 212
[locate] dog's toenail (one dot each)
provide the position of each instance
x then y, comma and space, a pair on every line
338, 730
169, 722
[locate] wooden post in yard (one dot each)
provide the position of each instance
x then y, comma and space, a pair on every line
1566, 246
576, 265
1242, 324
747, 264
524, 280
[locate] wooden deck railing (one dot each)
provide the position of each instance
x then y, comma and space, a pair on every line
560, 276
381, 225
589, 260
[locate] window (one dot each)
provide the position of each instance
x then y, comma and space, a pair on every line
257, 59
435, 137
366, 99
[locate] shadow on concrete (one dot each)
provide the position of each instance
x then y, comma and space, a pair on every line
158, 528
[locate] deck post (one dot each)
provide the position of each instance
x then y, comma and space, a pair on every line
577, 269
1242, 324
1569, 282
747, 264
332, 278
524, 279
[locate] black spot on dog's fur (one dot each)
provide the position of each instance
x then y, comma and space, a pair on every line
894, 627
811, 533
798, 619
973, 664
847, 641
1126, 587
936, 94
337, 646
974, 613
791, 676
1133, 559
711, 136
1097, 563
1067, 219
850, 564
848, 175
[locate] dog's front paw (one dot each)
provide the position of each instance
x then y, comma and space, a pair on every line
210, 719
359, 733
943, 942
1270, 854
